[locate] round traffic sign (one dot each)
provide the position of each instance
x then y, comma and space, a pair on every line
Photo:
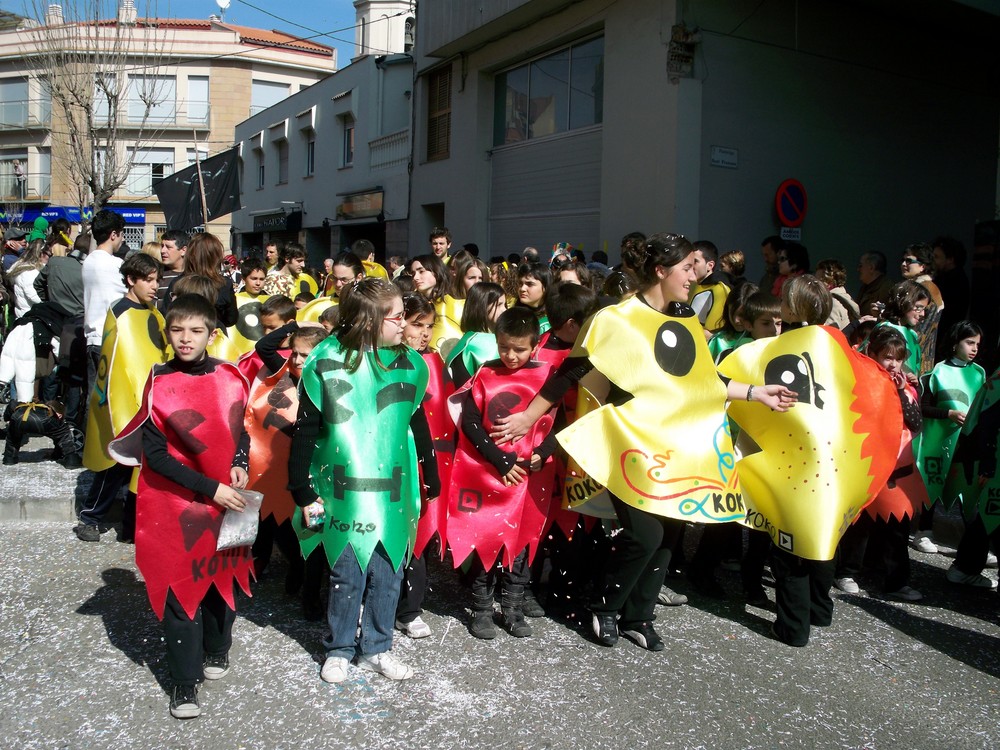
791, 203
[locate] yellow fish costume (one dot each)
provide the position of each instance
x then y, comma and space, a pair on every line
447, 328
824, 460
667, 450
248, 329
314, 310
131, 344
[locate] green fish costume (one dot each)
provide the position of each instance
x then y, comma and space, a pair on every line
364, 466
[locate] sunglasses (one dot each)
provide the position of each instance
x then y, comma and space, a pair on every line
911, 261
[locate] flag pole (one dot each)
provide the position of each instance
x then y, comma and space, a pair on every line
201, 181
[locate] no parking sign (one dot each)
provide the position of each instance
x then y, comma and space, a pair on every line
791, 203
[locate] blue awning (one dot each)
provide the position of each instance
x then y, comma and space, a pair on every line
72, 214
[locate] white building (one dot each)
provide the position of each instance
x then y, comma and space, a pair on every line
330, 165
208, 76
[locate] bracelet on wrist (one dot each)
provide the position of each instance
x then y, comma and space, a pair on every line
750, 393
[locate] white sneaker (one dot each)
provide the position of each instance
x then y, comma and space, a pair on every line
385, 664
991, 560
922, 542
415, 628
906, 593
976, 581
847, 585
334, 669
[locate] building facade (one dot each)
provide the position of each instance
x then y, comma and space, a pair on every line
207, 77
330, 165
553, 121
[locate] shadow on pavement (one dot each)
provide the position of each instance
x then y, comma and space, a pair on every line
132, 628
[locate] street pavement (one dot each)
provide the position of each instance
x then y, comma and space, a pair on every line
82, 664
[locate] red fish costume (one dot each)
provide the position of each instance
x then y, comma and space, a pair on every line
434, 510
485, 516
176, 529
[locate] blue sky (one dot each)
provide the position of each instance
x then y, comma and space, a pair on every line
324, 21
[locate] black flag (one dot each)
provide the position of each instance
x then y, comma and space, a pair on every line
180, 193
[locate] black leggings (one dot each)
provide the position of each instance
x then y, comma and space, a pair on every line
637, 565
189, 640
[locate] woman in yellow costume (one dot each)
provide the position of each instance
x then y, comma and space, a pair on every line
659, 442
433, 281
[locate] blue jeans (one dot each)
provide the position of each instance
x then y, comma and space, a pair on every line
378, 589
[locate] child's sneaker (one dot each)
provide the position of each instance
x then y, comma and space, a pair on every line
415, 628
385, 664
334, 669
216, 667
184, 702
847, 585
922, 542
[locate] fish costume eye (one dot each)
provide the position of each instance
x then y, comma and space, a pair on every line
796, 373
248, 323
674, 349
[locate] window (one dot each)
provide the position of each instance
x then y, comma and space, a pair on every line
197, 100
264, 94
282, 149
152, 99
105, 93
11, 184
561, 91
14, 101
148, 166
260, 168
348, 155
135, 237
311, 155
202, 155
439, 114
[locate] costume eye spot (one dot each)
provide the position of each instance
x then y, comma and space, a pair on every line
787, 377
674, 349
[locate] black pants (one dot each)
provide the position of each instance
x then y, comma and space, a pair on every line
802, 595
970, 558
24, 420
103, 492
718, 542
189, 640
637, 565
752, 568
484, 580
270, 533
412, 590
884, 543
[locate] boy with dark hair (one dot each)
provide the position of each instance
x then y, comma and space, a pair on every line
276, 311
708, 296
127, 351
440, 239
193, 448
173, 248
248, 330
497, 511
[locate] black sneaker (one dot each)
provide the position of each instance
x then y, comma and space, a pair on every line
606, 628
86, 532
216, 667
184, 702
642, 634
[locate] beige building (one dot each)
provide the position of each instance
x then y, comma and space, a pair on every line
206, 76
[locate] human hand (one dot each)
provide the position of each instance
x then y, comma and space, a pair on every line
516, 475
898, 380
511, 428
912, 379
229, 498
536, 462
956, 416
238, 478
778, 397
311, 512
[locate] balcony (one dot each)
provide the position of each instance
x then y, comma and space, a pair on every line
165, 116
20, 114
35, 187
389, 151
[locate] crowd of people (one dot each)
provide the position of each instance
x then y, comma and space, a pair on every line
549, 427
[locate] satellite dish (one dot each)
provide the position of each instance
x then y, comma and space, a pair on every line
223, 4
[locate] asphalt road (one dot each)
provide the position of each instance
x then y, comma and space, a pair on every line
82, 666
